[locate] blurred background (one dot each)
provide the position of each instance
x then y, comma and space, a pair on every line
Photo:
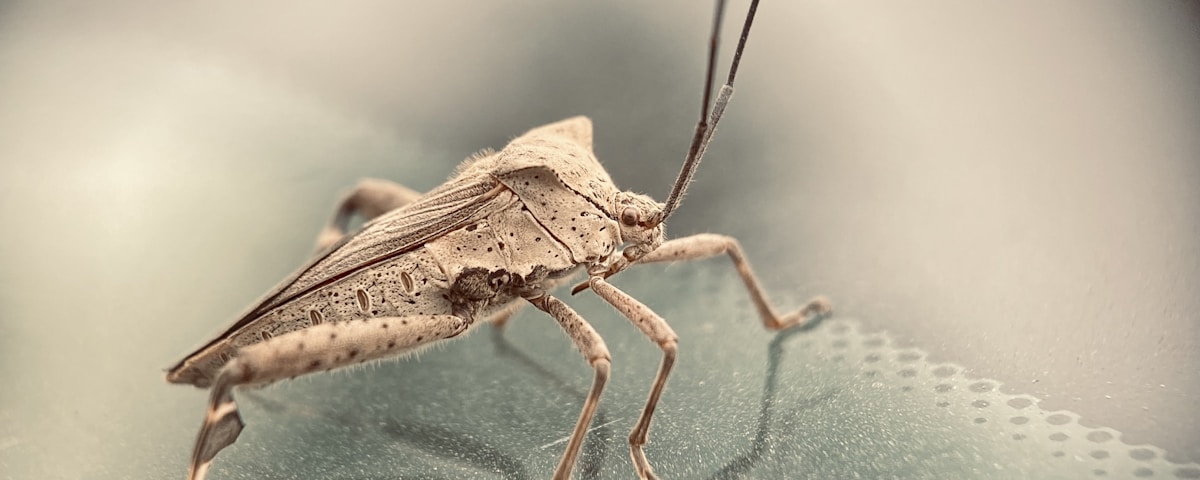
1011, 187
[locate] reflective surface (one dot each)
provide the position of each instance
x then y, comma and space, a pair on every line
1002, 198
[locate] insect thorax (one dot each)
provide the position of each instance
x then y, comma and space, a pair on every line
471, 272
548, 219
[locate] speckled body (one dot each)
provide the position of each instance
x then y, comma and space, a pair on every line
506, 229
509, 225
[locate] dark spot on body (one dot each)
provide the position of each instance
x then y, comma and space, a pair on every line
332, 336
354, 353
391, 344
315, 364
476, 284
420, 337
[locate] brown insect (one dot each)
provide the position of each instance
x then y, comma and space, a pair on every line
508, 228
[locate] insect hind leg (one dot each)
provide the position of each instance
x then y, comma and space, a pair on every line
222, 425
370, 198
318, 348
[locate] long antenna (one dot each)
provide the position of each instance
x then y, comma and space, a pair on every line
704, 128
708, 121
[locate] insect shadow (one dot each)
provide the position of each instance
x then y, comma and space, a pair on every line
739, 467
455, 446
595, 446
452, 445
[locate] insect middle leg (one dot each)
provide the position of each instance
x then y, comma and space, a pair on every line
317, 348
371, 198
592, 346
707, 245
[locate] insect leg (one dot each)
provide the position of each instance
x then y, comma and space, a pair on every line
595, 351
499, 319
322, 347
370, 198
707, 245
658, 330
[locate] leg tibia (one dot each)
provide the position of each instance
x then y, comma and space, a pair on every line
707, 245
222, 425
369, 199
660, 332
596, 352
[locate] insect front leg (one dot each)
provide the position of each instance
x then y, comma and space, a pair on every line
318, 348
371, 198
707, 245
592, 346
661, 333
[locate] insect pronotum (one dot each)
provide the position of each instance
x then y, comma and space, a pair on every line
530, 216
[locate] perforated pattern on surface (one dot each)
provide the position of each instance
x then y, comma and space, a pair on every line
981, 403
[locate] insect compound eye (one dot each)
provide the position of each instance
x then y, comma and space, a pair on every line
630, 216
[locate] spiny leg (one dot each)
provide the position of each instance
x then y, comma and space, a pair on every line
318, 348
500, 319
592, 346
707, 245
371, 198
661, 333
222, 425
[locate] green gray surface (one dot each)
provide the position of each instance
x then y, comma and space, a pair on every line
1007, 186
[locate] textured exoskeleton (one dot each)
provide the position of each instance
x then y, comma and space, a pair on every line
506, 229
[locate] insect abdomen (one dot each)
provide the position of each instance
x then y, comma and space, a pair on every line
410, 284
